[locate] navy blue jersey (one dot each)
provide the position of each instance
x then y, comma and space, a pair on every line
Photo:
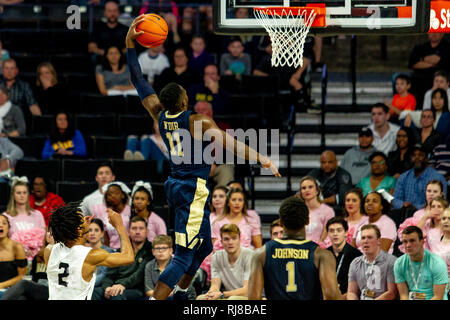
185, 154
289, 270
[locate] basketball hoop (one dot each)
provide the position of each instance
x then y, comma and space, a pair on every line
287, 28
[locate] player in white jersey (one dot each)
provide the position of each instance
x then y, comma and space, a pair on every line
70, 265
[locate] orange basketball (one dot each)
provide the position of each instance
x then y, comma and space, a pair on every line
155, 31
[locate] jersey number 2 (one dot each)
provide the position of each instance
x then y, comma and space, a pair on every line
64, 274
290, 268
178, 152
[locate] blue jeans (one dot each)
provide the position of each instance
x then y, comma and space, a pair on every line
148, 148
128, 294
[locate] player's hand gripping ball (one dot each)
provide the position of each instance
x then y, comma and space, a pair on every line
155, 31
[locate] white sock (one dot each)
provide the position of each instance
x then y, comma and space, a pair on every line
177, 288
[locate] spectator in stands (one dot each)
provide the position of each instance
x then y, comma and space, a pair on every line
37, 287
43, 200
4, 55
385, 133
112, 75
426, 134
94, 240
209, 91
13, 264
127, 282
410, 187
440, 81
276, 230
10, 153
116, 197
107, 34
425, 60
188, 21
430, 223
356, 159
442, 247
162, 250
399, 161
199, 58
94, 200
218, 201
249, 222
235, 184
353, 212
167, 9
230, 267
21, 93
319, 212
149, 147
27, 225
153, 61
440, 158
441, 109
334, 181
179, 72
378, 179
371, 276
419, 262
141, 205
377, 209
12, 121
49, 92
235, 62
433, 189
337, 231
206, 108
402, 100
64, 140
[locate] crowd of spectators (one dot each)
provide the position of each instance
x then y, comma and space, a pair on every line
388, 189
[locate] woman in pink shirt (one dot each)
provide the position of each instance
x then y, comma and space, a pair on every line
218, 200
430, 222
236, 212
433, 189
376, 208
27, 225
442, 246
115, 197
319, 213
141, 205
354, 211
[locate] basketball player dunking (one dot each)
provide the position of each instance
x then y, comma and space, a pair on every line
70, 264
293, 268
186, 188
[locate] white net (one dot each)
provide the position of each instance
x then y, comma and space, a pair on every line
287, 29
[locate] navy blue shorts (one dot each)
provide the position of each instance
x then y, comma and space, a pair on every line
190, 200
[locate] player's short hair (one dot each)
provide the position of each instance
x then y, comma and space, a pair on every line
162, 239
381, 105
413, 229
337, 220
275, 223
373, 227
405, 77
294, 213
137, 219
230, 228
443, 74
65, 221
171, 97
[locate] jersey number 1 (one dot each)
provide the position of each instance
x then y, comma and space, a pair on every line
178, 152
290, 268
64, 274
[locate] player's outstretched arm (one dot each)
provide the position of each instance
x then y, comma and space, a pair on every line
326, 264
100, 257
210, 128
256, 280
148, 96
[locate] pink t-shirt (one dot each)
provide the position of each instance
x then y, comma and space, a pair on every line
442, 250
432, 236
419, 214
100, 212
249, 226
23, 222
353, 227
317, 221
387, 228
155, 226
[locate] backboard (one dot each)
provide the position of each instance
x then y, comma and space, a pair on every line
342, 16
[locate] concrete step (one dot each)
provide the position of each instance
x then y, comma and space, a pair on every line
334, 118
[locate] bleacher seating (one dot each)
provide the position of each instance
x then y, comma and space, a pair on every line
80, 170
48, 168
132, 171
96, 124
74, 191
